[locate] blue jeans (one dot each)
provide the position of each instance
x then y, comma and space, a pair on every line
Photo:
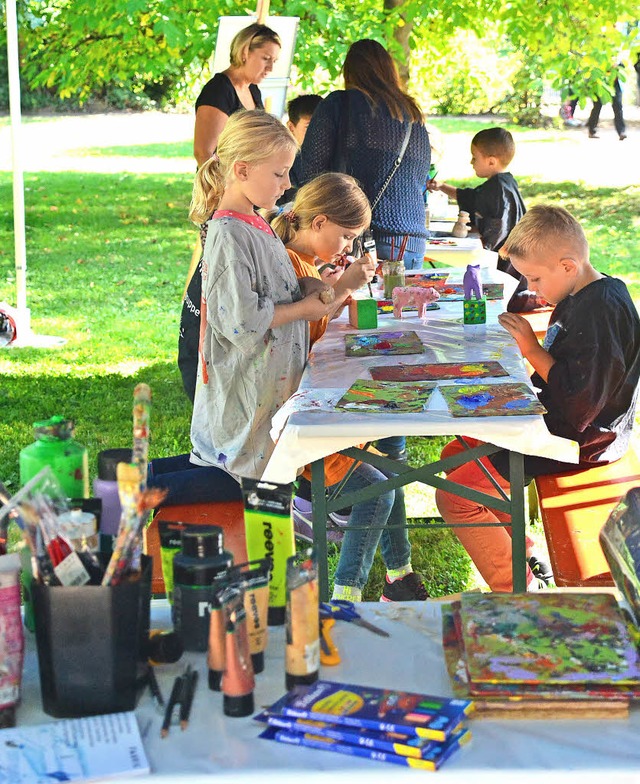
359, 546
413, 259
188, 483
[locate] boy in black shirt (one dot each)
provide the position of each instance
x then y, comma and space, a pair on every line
496, 206
587, 372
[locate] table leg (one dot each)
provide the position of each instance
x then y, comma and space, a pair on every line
319, 517
518, 529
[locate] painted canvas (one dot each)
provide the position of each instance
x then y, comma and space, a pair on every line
548, 638
437, 371
454, 292
382, 343
385, 397
474, 400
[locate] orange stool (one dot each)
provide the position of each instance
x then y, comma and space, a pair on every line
573, 507
229, 515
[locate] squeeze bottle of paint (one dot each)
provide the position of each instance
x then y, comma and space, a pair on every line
106, 488
269, 534
195, 569
55, 447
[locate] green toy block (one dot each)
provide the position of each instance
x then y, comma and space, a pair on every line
475, 311
363, 313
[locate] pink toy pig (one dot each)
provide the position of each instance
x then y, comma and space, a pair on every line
416, 296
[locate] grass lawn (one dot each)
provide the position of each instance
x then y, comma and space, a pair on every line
108, 250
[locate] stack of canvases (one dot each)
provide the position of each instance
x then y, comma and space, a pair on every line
561, 654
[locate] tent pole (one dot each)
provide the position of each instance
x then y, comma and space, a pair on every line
18, 181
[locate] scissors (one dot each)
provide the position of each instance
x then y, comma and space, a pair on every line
346, 611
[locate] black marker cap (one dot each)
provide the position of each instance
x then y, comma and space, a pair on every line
290, 681
238, 706
215, 680
257, 659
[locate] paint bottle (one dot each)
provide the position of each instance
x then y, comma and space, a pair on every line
238, 680
269, 534
195, 568
55, 447
302, 652
106, 488
11, 638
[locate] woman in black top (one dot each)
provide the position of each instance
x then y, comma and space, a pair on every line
254, 51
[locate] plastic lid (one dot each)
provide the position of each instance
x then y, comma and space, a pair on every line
257, 659
108, 460
238, 706
202, 541
55, 429
215, 680
275, 616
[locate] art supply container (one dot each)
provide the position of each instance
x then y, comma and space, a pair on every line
11, 639
195, 569
55, 447
106, 488
92, 643
392, 276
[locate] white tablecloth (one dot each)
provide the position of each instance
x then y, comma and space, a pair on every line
308, 427
410, 659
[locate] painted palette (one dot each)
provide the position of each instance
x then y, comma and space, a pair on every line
454, 292
437, 371
382, 343
385, 397
474, 400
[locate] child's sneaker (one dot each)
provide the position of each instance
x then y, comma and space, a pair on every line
541, 570
408, 589
303, 527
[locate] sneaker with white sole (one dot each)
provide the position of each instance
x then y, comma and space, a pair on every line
409, 588
540, 569
303, 527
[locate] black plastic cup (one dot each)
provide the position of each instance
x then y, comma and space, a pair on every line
91, 644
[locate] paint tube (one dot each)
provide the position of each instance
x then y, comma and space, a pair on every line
11, 638
237, 681
215, 648
254, 578
302, 653
170, 534
269, 534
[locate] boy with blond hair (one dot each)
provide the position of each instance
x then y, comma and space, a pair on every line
586, 372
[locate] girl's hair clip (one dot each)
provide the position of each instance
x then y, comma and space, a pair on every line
291, 217
215, 158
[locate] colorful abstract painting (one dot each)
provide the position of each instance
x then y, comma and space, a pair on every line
547, 638
481, 400
454, 292
382, 343
439, 371
385, 397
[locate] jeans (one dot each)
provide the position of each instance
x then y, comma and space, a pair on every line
488, 547
413, 259
392, 445
188, 483
359, 546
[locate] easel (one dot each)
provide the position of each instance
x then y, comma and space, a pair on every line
262, 11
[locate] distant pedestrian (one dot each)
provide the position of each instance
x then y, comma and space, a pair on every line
618, 119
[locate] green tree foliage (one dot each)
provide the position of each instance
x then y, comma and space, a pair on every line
81, 48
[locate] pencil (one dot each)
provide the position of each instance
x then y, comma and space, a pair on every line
154, 686
174, 699
187, 700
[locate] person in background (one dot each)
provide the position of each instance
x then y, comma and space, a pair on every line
362, 131
496, 206
299, 113
586, 374
326, 217
254, 51
618, 117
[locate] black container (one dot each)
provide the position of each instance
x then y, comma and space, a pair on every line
195, 570
92, 645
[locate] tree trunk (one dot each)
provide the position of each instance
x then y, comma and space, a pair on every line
401, 34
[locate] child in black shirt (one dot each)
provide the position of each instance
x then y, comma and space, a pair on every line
587, 372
